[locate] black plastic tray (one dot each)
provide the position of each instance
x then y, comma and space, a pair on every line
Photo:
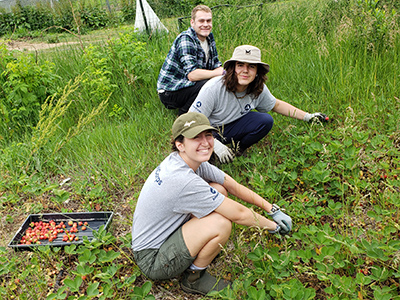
94, 220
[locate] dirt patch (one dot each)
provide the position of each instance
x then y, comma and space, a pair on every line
25, 46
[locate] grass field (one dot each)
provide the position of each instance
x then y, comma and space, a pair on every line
103, 130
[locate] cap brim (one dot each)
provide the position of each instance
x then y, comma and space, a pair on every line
193, 132
266, 66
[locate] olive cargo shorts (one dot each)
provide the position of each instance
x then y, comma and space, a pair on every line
171, 260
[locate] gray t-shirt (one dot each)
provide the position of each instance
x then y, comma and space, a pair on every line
170, 195
222, 107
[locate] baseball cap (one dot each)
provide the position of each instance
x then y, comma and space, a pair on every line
190, 124
248, 54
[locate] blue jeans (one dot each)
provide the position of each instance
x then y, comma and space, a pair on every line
247, 130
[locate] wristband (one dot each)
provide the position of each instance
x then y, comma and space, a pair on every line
274, 209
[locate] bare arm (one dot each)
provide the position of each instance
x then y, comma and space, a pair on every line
244, 193
242, 215
286, 109
201, 74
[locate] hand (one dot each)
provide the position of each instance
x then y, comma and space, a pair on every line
283, 220
224, 153
276, 229
316, 116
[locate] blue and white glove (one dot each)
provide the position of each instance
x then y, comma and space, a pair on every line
282, 219
316, 116
224, 153
277, 229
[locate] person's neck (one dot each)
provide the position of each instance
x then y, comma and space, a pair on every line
201, 38
240, 89
192, 164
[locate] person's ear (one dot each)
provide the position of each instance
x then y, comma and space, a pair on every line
179, 146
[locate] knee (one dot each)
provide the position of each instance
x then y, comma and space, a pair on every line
222, 225
219, 188
267, 122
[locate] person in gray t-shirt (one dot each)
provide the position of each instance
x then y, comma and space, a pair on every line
228, 102
183, 214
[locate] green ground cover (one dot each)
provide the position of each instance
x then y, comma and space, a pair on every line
102, 129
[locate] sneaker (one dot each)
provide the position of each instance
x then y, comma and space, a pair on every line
201, 282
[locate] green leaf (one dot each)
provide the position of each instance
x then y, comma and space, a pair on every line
92, 290
108, 256
361, 279
70, 249
73, 284
380, 274
87, 257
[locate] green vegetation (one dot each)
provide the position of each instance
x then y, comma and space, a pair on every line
81, 127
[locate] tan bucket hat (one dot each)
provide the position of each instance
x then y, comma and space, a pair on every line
248, 54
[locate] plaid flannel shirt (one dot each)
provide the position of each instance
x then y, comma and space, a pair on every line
185, 56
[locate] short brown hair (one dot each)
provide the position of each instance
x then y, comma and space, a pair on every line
255, 87
201, 7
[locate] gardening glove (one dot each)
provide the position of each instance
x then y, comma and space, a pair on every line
277, 229
316, 116
224, 153
282, 219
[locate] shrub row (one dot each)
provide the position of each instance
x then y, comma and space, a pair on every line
24, 19
65, 14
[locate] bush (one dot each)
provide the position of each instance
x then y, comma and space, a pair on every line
25, 85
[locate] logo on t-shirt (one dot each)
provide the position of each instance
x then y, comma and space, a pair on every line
157, 175
196, 106
214, 192
246, 109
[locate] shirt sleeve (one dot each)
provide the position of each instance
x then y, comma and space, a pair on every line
206, 99
266, 101
188, 54
198, 198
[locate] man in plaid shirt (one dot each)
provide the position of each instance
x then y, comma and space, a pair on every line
191, 61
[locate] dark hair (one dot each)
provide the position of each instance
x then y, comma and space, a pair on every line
178, 139
255, 87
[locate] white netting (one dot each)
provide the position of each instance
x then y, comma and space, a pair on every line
153, 22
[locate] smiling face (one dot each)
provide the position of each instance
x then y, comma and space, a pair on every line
196, 150
245, 74
202, 24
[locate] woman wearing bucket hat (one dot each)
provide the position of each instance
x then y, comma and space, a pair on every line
228, 102
183, 214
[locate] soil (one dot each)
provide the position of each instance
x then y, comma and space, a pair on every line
27, 46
